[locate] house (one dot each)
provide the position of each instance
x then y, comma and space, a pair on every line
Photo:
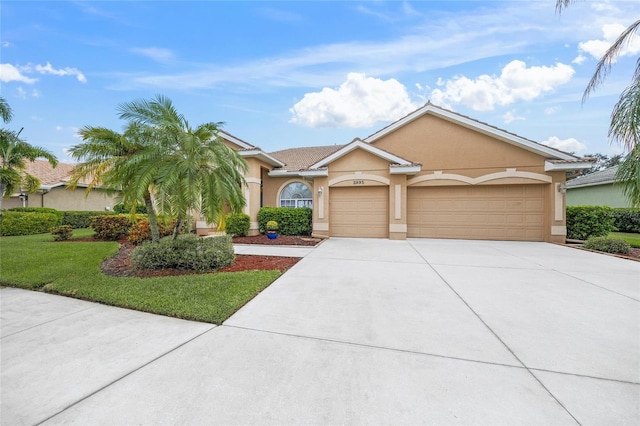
434, 173
596, 189
54, 191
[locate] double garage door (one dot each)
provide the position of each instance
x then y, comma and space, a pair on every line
491, 212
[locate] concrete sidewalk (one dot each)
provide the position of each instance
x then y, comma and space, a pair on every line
273, 250
357, 332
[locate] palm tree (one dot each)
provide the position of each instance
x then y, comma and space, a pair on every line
120, 163
14, 153
5, 110
625, 117
196, 171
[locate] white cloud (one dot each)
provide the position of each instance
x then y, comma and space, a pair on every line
58, 128
360, 101
567, 145
48, 69
610, 32
5, 44
155, 53
551, 110
22, 94
516, 82
10, 73
510, 116
579, 59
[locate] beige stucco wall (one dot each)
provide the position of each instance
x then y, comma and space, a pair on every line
63, 199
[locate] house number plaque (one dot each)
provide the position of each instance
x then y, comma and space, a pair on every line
358, 182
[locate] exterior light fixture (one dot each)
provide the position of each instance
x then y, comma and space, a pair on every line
320, 191
562, 188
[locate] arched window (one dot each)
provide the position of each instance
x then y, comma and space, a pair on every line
296, 194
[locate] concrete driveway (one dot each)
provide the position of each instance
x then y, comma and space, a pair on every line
358, 332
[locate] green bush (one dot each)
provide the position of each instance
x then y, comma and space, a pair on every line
81, 219
62, 232
609, 245
290, 221
120, 208
238, 224
27, 223
111, 227
627, 220
58, 213
589, 221
187, 252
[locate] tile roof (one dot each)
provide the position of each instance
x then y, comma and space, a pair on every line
48, 175
596, 178
302, 158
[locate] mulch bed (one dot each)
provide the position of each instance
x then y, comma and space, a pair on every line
120, 265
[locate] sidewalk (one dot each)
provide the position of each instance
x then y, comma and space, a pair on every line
265, 250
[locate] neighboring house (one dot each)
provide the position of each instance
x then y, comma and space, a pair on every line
54, 191
433, 173
596, 189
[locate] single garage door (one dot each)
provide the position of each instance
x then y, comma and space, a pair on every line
492, 212
359, 212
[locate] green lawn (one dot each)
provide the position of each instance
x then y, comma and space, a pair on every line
632, 239
73, 269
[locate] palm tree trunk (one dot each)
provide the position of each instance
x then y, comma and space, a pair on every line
176, 229
153, 220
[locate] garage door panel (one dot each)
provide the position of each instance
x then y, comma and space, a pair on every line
359, 212
495, 212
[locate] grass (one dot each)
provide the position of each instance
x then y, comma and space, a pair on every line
632, 239
73, 269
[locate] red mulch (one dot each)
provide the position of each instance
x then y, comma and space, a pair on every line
121, 266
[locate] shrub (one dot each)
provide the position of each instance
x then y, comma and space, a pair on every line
58, 213
81, 219
609, 245
61, 233
272, 225
140, 231
589, 221
290, 221
187, 252
27, 223
111, 227
120, 208
238, 224
627, 220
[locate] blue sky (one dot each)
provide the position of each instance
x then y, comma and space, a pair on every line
292, 73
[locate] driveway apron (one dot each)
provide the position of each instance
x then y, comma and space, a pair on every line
362, 331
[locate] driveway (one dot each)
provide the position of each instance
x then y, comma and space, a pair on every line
358, 332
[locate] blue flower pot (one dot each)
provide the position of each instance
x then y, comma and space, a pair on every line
272, 235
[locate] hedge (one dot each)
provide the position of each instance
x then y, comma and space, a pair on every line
589, 221
627, 220
81, 219
120, 208
58, 213
291, 221
27, 223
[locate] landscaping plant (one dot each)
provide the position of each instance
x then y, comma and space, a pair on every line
608, 245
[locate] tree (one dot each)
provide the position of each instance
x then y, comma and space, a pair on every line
602, 161
114, 161
14, 153
196, 171
625, 117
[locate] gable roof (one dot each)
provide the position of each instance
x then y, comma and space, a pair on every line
357, 143
476, 125
602, 177
248, 150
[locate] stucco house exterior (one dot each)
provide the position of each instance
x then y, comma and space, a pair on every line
596, 189
433, 173
54, 191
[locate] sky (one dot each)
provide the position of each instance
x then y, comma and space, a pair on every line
309, 73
